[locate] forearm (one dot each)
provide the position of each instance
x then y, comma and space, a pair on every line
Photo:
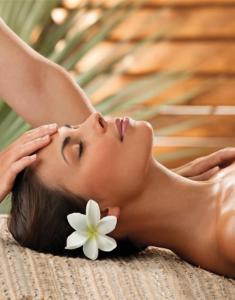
60, 97
37, 89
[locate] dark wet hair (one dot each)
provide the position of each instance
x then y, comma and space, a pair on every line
38, 218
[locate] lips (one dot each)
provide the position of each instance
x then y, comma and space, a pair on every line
122, 125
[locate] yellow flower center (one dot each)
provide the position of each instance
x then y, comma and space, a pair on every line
92, 232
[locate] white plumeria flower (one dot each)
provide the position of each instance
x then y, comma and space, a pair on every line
90, 231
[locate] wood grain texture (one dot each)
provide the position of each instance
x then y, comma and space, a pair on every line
207, 57
218, 91
108, 3
201, 24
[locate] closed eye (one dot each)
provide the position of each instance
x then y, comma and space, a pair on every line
71, 126
80, 148
81, 145
67, 125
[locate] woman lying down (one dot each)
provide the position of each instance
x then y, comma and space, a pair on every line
95, 190
96, 186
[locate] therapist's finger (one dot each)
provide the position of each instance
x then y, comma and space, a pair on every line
221, 157
206, 175
31, 147
16, 168
39, 132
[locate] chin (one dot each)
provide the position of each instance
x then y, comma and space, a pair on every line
149, 130
148, 136
146, 130
144, 124
145, 133
149, 126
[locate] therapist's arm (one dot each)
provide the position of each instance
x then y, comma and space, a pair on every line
39, 90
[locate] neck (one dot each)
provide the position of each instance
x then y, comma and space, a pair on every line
169, 210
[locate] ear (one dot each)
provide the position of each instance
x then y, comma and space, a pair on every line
111, 211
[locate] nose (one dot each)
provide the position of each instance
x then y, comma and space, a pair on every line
94, 121
99, 122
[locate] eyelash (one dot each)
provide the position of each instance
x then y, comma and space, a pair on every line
80, 148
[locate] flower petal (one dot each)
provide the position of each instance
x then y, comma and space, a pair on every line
107, 224
90, 248
77, 221
92, 212
76, 240
106, 243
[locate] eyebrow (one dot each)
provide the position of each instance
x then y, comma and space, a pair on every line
65, 142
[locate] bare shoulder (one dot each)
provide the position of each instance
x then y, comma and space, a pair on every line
226, 235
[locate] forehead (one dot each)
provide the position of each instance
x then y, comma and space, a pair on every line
55, 144
50, 164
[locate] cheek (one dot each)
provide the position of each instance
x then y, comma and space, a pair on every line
124, 165
99, 167
137, 153
103, 158
112, 165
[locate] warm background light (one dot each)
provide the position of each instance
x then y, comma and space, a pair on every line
60, 45
72, 4
84, 21
35, 34
58, 15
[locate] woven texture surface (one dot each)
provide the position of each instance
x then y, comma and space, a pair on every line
153, 274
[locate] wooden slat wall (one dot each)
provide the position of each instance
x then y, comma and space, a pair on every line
202, 39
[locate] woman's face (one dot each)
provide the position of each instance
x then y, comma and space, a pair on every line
107, 168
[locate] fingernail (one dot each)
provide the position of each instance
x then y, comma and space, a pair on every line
52, 126
45, 137
33, 157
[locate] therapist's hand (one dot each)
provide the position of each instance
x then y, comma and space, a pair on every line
18, 155
204, 167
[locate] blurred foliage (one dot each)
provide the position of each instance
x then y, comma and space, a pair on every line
32, 21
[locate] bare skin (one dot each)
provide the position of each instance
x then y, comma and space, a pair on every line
185, 218
193, 219
30, 82
225, 224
